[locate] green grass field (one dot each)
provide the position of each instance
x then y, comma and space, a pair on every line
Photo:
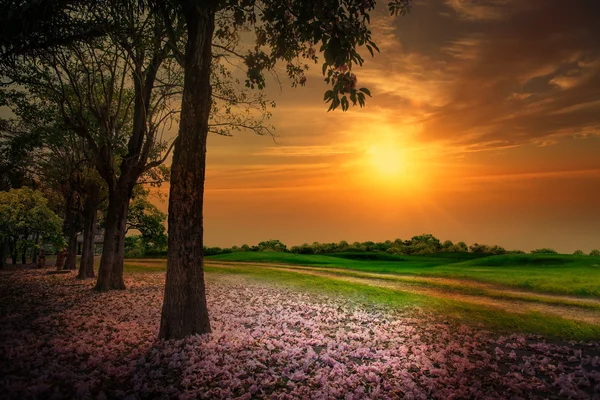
553, 295
563, 274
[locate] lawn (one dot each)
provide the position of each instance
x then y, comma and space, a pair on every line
564, 274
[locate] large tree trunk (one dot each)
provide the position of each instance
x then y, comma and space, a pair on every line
90, 211
110, 272
184, 309
70, 262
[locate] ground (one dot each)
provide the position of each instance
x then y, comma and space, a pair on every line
60, 339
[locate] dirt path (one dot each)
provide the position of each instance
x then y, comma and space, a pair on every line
568, 307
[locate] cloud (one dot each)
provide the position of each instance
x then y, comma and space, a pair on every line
481, 9
530, 78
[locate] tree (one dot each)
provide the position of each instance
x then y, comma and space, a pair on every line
595, 253
59, 163
110, 67
116, 92
448, 246
24, 213
284, 31
544, 250
148, 220
272, 245
479, 248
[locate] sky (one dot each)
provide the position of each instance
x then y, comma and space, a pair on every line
484, 126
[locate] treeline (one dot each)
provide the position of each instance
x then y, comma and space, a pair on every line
418, 245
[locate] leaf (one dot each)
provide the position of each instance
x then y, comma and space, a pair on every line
365, 90
370, 50
345, 104
328, 95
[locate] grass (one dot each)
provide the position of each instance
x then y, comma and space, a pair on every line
560, 274
538, 274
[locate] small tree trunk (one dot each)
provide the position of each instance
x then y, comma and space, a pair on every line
24, 249
90, 211
60, 259
110, 273
13, 250
184, 309
35, 250
3, 246
70, 262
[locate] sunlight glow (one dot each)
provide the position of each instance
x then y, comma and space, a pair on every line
386, 160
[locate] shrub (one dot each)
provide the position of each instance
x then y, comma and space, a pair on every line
578, 253
544, 251
595, 253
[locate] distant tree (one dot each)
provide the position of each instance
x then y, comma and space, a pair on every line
423, 244
447, 246
496, 250
397, 249
578, 253
462, 247
544, 250
515, 252
23, 214
146, 217
595, 253
272, 245
479, 248
342, 246
303, 249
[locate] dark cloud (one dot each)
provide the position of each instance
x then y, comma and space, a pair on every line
520, 71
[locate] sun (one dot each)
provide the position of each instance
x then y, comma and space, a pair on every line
386, 160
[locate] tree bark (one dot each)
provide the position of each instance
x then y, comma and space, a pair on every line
184, 309
35, 250
110, 272
90, 212
24, 249
3, 246
13, 250
70, 262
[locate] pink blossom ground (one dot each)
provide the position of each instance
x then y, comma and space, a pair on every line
59, 339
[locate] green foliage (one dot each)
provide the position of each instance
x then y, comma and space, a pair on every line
24, 212
149, 221
544, 250
272, 245
578, 253
595, 253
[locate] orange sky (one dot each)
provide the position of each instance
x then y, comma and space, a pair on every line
484, 126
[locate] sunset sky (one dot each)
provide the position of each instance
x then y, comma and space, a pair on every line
484, 126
